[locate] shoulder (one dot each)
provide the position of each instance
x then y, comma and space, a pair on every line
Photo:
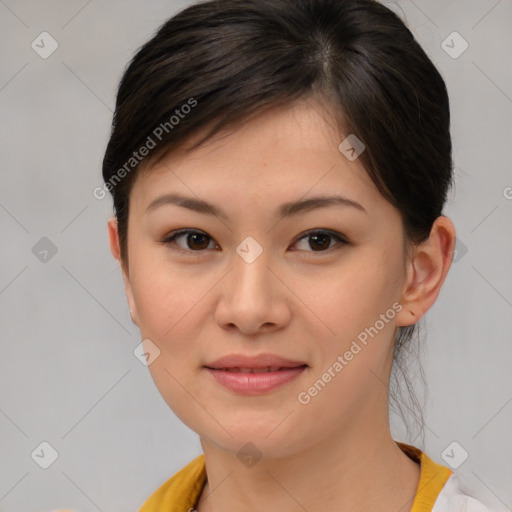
453, 498
181, 491
439, 488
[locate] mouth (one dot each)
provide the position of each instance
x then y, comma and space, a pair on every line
267, 369
255, 381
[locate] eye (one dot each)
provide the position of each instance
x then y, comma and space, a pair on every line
197, 241
320, 239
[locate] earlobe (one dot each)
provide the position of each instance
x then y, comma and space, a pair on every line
115, 249
426, 272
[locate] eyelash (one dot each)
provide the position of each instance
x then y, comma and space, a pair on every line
170, 239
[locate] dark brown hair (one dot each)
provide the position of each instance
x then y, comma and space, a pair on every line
222, 61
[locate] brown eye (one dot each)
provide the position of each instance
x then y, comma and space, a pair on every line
320, 240
197, 241
194, 241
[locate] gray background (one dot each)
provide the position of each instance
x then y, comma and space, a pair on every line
68, 375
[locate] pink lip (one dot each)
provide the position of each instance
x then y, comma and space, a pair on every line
255, 383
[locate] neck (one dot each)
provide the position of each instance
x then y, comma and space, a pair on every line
359, 471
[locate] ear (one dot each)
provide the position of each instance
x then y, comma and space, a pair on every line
426, 271
115, 249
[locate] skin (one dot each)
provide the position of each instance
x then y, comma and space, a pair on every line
295, 300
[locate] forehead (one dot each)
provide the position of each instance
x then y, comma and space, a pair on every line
284, 153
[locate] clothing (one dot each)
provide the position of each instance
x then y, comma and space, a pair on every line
439, 489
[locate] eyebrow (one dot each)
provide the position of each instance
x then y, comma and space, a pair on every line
285, 210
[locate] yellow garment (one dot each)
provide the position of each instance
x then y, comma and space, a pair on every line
181, 492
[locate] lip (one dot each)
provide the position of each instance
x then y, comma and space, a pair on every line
255, 383
259, 361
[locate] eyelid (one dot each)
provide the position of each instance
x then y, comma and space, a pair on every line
339, 237
335, 234
170, 238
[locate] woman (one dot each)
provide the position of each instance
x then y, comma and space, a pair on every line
279, 170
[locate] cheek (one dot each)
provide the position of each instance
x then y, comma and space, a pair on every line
353, 295
171, 313
175, 305
358, 303
165, 303
162, 292
354, 338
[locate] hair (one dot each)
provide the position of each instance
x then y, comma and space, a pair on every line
220, 62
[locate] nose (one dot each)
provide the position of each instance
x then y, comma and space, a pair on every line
253, 298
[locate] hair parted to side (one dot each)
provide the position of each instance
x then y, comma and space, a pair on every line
220, 62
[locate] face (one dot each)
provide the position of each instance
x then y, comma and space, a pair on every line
313, 285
